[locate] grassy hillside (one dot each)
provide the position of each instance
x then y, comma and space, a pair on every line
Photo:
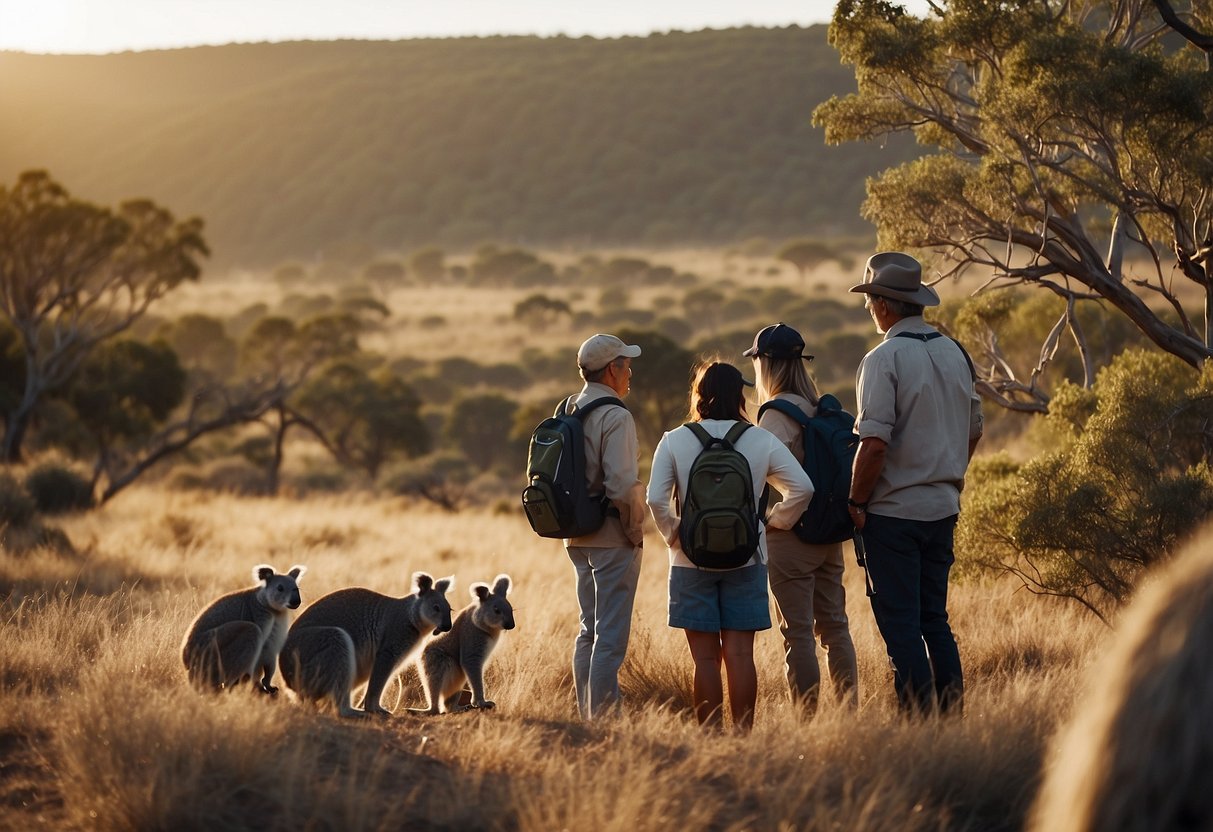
339, 148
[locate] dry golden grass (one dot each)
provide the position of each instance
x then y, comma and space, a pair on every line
99, 729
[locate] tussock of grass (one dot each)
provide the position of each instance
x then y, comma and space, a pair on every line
95, 674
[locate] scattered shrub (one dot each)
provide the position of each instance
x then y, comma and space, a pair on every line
58, 490
17, 507
1127, 480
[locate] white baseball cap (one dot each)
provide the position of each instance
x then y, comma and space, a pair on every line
600, 350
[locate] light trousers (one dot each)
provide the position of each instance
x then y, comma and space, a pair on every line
606, 592
811, 604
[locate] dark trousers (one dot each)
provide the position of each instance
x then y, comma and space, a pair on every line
908, 563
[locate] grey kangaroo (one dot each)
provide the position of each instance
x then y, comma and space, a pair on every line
355, 636
462, 654
240, 634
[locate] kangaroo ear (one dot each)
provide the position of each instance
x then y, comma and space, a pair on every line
422, 581
480, 590
445, 584
501, 584
297, 572
262, 573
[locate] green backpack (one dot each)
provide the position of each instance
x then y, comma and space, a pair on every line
719, 528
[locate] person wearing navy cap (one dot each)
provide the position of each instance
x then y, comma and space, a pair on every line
806, 578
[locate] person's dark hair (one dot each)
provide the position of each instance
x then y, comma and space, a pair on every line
716, 392
902, 308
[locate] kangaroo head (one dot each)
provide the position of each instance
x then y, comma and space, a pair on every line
433, 609
279, 592
494, 612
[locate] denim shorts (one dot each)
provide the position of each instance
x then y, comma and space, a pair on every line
713, 600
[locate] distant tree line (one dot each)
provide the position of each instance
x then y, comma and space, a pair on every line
334, 151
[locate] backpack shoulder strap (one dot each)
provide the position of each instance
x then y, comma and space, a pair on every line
702, 435
786, 408
735, 433
968, 360
589, 407
920, 336
931, 336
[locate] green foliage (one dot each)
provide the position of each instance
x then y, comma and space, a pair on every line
298, 148
385, 274
201, 343
429, 264
1052, 126
539, 310
74, 275
805, 255
479, 426
514, 266
661, 379
17, 507
1127, 479
440, 478
364, 418
838, 356
125, 389
57, 489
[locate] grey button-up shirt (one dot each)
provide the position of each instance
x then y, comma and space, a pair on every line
918, 397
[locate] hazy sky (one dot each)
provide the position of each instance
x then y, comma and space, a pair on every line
116, 25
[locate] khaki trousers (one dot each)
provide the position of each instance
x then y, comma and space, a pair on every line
811, 604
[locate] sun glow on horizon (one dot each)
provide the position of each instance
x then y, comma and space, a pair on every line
104, 26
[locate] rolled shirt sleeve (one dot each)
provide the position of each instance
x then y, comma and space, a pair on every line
876, 394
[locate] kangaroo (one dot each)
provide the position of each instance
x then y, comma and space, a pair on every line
462, 654
242, 633
355, 636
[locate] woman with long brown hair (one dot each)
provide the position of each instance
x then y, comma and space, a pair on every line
721, 609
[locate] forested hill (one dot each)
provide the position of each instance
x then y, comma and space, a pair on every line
301, 149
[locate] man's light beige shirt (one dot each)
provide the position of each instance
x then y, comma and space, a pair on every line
918, 397
612, 466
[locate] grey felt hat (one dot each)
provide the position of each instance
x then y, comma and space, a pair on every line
891, 274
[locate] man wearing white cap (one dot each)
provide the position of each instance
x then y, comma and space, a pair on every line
919, 421
607, 560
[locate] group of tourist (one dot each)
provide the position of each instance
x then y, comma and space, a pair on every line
917, 424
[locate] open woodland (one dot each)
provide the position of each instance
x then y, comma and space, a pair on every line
100, 729
408, 241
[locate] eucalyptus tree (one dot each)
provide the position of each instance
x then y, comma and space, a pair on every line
1064, 137
74, 275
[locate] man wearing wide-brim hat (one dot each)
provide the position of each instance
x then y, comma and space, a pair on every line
919, 421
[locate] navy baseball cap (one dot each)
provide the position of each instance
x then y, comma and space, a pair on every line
778, 341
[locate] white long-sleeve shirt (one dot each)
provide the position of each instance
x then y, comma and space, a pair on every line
769, 462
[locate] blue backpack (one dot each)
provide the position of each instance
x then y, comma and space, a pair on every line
830, 444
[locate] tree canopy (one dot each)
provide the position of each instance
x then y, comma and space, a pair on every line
74, 274
1066, 136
